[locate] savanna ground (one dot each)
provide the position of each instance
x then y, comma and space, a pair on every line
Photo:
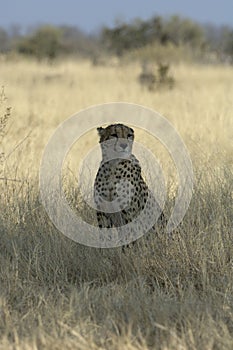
172, 294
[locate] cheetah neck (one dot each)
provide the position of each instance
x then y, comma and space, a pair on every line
117, 161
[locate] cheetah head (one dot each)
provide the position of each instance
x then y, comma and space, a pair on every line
116, 140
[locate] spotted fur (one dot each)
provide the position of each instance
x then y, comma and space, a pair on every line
120, 191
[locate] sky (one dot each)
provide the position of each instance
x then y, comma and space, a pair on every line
91, 15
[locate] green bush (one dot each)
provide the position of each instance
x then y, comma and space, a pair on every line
161, 78
44, 43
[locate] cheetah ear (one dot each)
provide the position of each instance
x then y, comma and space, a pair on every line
100, 131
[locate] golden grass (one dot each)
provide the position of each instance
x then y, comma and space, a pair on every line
56, 294
42, 96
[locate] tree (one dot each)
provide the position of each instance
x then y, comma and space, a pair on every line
134, 35
44, 43
73, 40
227, 41
184, 31
4, 41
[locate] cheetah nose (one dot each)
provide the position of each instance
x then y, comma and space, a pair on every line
123, 145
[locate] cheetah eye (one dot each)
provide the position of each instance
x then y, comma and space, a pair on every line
114, 135
130, 136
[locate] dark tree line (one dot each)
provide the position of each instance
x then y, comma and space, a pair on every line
50, 41
174, 30
135, 35
140, 33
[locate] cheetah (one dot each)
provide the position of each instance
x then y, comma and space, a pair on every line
120, 192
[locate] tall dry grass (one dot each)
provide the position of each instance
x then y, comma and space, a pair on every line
168, 294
